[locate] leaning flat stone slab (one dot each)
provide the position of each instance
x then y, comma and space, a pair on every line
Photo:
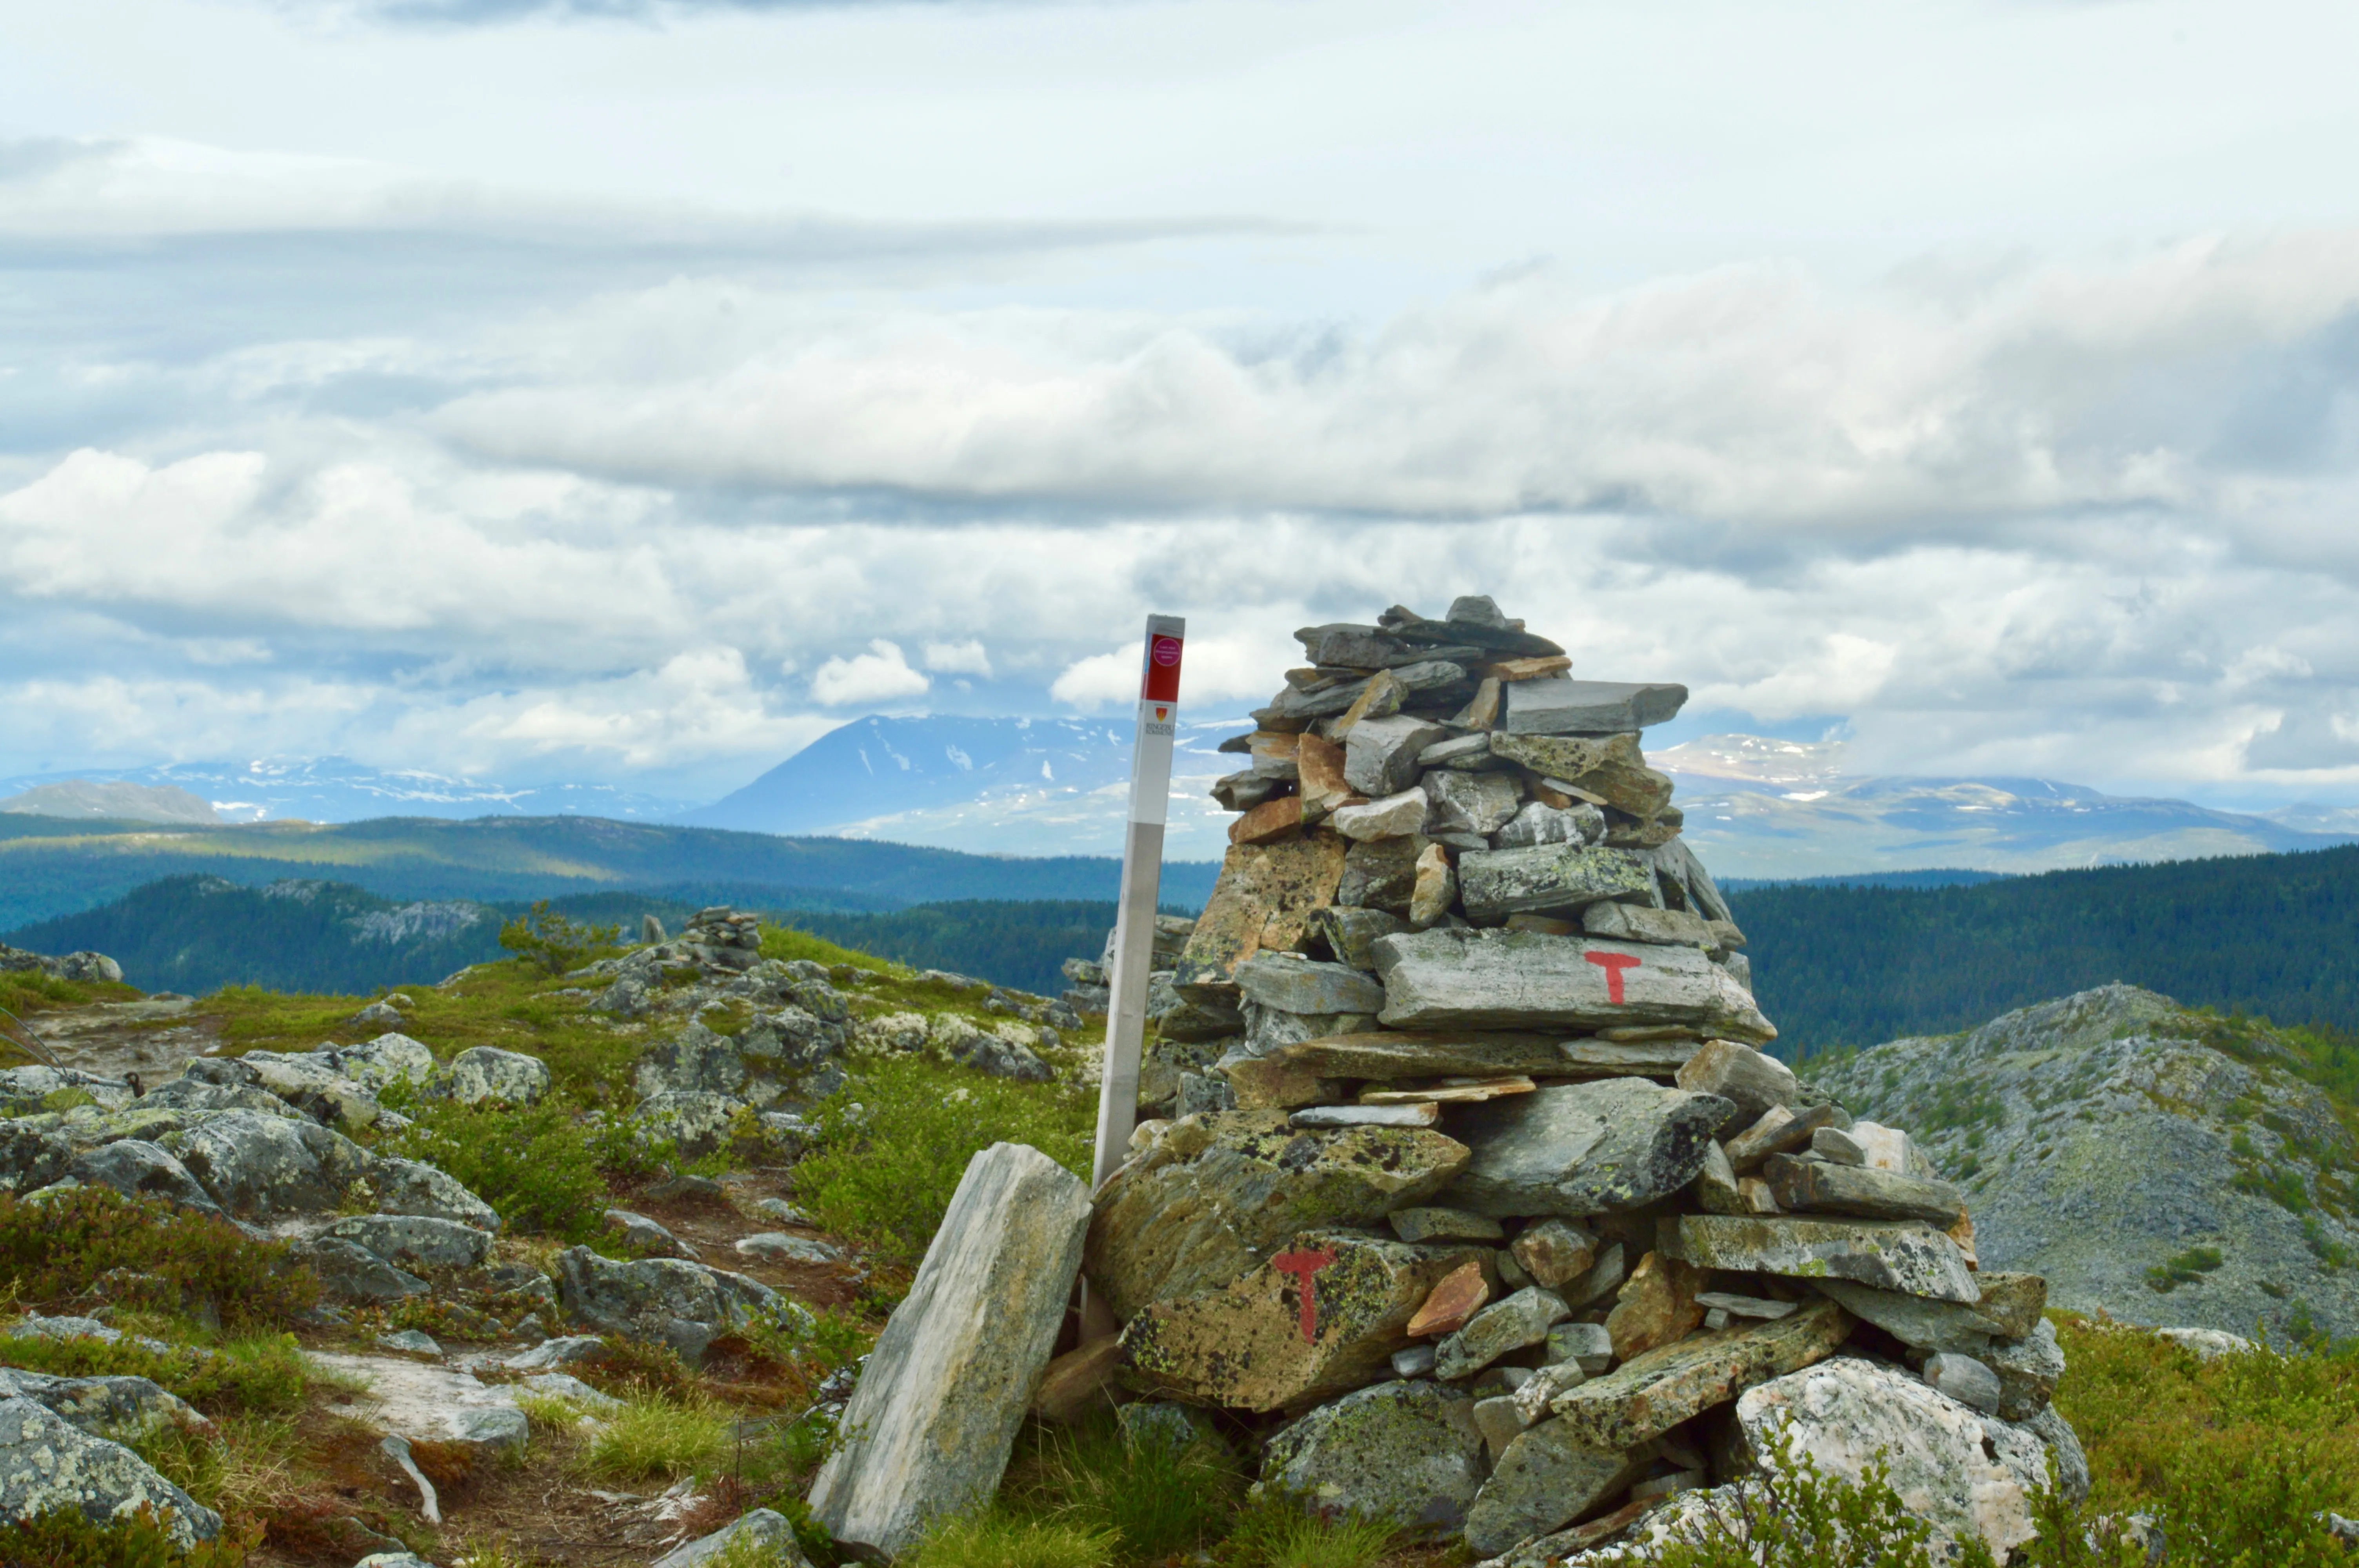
1292, 983
1581, 1149
1812, 1186
1779, 1131
1907, 1256
1546, 1479
926, 1434
1216, 1193
1559, 705
1549, 879
1751, 1080
1640, 922
1528, 980
1608, 771
1650, 1394
1321, 1317
2015, 1301
1437, 1054
1522, 1319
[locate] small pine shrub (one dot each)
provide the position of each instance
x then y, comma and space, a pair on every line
553, 942
893, 1142
53, 1251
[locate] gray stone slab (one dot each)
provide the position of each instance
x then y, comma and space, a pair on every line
1559, 705
1525, 979
1907, 1256
1380, 754
1582, 1148
1547, 879
930, 1427
1291, 983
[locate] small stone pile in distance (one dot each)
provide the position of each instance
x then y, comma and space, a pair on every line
1489, 1215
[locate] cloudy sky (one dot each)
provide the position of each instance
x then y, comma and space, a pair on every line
632, 391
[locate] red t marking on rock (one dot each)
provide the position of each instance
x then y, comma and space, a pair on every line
1613, 964
1304, 1264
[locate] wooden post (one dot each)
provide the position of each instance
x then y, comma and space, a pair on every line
1142, 875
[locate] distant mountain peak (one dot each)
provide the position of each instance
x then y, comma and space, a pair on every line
98, 799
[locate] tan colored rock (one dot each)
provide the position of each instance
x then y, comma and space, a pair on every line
928, 1431
1452, 1304
1081, 1382
1656, 1306
1511, 670
1265, 898
1962, 1233
1778, 1131
1264, 1083
1716, 1191
1451, 1091
1756, 1198
1216, 1193
1321, 1317
1268, 822
1482, 709
1555, 1251
1321, 764
1380, 698
1437, 887
1648, 1395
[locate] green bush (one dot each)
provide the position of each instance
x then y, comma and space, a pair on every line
1159, 1500
65, 1538
994, 1538
170, 1259
1278, 1531
264, 1374
655, 1439
543, 1169
551, 942
893, 1142
2189, 1267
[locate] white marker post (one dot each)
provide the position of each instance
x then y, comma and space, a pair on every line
1142, 875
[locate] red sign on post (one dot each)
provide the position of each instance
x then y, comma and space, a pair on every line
1162, 683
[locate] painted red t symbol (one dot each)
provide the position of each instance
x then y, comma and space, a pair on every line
1613, 964
1304, 1264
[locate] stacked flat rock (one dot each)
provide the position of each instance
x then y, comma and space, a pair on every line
1492, 1213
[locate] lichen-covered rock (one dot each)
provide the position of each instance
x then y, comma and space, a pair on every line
1582, 1148
350, 1272
260, 1167
138, 1169
1522, 1319
48, 1464
666, 1301
482, 1074
1322, 1315
929, 1428
1907, 1256
1267, 897
2027, 1370
103, 1407
1646, 1397
1211, 1197
415, 1187
31, 1158
1545, 1479
1842, 1412
697, 1121
762, 1531
992, 1050
416, 1241
695, 1060
1406, 1452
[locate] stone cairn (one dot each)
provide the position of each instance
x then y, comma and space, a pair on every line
1478, 1208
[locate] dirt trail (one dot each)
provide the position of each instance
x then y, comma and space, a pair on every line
153, 1037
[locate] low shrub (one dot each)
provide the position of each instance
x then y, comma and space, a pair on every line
555, 944
995, 1538
64, 1537
893, 1142
544, 1169
264, 1374
1278, 1531
655, 1439
55, 1248
1159, 1500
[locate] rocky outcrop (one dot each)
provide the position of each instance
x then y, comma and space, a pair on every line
2160, 1166
668, 1301
49, 1463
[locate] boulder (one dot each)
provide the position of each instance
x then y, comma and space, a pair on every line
1405, 1453
263, 1167
1549, 879
1746, 1078
1480, 803
30, 1158
136, 1168
1545, 1479
1907, 1256
695, 1121
388, 1059
929, 1429
1526, 980
1582, 1148
351, 1272
667, 1300
764, 1533
414, 1187
1291, 983
1946, 1462
1657, 1306
1320, 1317
48, 1464
417, 1241
695, 1060
1647, 1396
990, 1051
1210, 1200
1266, 897
1380, 754
483, 1073
103, 1407
777, 1247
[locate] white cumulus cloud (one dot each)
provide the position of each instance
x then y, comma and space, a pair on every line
880, 675
967, 658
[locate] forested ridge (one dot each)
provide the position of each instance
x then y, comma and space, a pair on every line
2266, 935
